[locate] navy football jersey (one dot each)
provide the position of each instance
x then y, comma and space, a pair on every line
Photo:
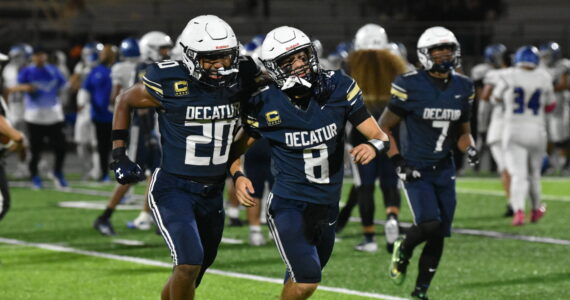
196, 122
307, 146
431, 115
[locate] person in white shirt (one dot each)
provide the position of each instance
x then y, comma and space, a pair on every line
526, 92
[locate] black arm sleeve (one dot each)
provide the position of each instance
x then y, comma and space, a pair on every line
359, 116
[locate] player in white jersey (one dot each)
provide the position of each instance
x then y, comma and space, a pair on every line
558, 122
490, 117
526, 92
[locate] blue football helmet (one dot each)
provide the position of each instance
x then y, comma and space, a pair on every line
90, 52
550, 52
130, 48
494, 54
20, 53
527, 56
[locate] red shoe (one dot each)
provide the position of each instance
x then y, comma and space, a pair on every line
537, 214
518, 219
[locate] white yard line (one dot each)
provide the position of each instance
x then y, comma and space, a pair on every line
487, 233
156, 263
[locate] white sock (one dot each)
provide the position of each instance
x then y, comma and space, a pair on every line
233, 212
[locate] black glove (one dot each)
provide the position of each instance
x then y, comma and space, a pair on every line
406, 172
472, 156
126, 171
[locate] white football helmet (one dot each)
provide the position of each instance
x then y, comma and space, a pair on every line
370, 36
177, 52
279, 44
151, 43
209, 36
435, 37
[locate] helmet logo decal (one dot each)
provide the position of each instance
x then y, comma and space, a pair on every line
292, 46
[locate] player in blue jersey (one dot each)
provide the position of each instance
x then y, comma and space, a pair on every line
197, 101
303, 116
435, 105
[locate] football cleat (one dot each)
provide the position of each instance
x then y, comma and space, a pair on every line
103, 225
36, 183
537, 214
518, 218
366, 246
256, 238
235, 222
419, 293
142, 222
509, 212
399, 264
59, 181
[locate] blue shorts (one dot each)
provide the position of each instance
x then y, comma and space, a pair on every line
257, 166
380, 167
432, 197
305, 244
190, 217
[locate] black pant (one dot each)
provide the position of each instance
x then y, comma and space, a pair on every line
38, 134
5, 195
104, 144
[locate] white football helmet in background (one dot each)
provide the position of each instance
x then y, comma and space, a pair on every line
435, 37
279, 44
150, 45
370, 36
208, 35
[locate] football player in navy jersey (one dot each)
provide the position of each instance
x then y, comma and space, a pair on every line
197, 101
303, 115
435, 105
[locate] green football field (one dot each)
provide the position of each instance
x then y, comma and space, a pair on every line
52, 252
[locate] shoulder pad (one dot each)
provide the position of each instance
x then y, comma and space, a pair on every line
342, 86
168, 78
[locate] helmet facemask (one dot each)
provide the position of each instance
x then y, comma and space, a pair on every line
445, 63
215, 77
296, 81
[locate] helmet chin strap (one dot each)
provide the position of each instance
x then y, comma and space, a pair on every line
443, 67
295, 80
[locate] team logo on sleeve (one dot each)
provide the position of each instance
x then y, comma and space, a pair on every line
181, 88
273, 118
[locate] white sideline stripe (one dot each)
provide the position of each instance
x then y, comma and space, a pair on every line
502, 194
150, 262
487, 233
97, 205
72, 190
231, 241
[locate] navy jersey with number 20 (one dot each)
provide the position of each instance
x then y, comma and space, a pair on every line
196, 122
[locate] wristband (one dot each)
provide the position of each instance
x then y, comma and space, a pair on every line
471, 150
237, 175
119, 134
119, 152
379, 145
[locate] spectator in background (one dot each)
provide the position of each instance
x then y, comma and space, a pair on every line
96, 89
41, 82
84, 131
20, 56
